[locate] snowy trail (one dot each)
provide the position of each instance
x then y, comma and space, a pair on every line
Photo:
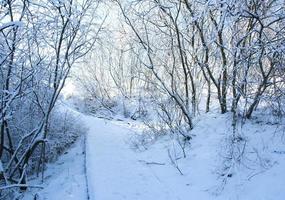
114, 171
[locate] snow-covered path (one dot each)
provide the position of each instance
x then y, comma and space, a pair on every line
114, 171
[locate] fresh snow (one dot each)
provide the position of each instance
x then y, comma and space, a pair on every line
8, 24
115, 171
64, 179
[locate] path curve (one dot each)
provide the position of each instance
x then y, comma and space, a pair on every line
114, 171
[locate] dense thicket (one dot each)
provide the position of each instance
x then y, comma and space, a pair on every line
40, 42
190, 55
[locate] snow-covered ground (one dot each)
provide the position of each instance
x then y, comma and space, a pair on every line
64, 179
115, 171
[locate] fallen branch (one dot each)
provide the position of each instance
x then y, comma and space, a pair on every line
20, 185
151, 163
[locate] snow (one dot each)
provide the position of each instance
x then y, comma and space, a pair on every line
64, 179
8, 24
115, 171
1, 167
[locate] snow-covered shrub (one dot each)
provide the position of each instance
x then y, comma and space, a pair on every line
65, 127
134, 108
141, 141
